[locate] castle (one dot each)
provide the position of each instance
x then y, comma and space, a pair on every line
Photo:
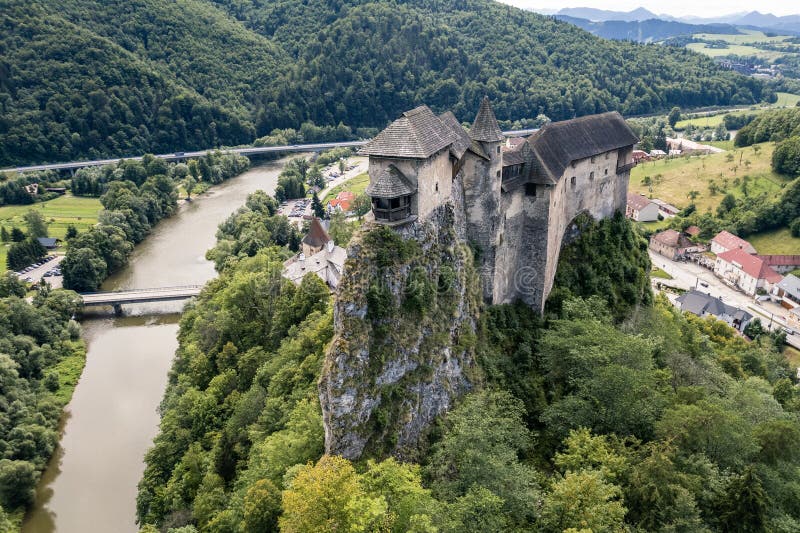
517, 200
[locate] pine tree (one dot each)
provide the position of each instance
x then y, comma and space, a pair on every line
744, 506
17, 235
72, 232
316, 206
4, 235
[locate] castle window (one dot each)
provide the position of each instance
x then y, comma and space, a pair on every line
498, 173
437, 186
498, 149
606, 172
573, 181
530, 189
591, 175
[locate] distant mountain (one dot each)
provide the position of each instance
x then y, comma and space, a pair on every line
652, 30
767, 21
600, 15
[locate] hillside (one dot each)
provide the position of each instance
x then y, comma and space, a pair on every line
114, 78
643, 31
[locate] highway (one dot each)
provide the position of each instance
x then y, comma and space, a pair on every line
251, 150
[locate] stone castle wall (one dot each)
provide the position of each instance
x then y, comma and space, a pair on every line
433, 178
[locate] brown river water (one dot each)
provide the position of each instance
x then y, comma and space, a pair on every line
90, 484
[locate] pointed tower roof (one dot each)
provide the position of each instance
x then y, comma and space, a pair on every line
316, 236
485, 127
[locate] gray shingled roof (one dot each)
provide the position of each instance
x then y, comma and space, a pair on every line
791, 284
485, 127
417, 134
698, 303
390, 183
476, 149
513, 157
462, 141
558, 144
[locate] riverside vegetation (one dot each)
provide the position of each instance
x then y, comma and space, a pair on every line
209, 73
41, 358
135, 195
613, 412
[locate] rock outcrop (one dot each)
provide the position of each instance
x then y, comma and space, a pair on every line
405, 322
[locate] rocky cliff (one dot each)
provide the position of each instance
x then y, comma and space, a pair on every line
405, 322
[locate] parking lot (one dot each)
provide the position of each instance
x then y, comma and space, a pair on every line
49, 269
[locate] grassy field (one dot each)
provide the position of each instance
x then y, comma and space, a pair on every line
786, 100
357, 185
775, 242
746, 37
658, 273
735, 49
792, 355
712, 121
59, 213
673, 179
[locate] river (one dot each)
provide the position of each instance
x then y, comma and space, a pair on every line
90, 484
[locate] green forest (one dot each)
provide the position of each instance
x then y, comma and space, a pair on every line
613, 412
86, 79
41, 358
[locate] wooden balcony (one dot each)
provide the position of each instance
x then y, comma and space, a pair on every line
626, 167
398, 214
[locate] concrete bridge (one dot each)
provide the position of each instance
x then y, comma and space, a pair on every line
181, 156
116, 299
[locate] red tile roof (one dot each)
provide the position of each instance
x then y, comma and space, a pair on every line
343, 200
694, 231
729, 241
750, 264
637, 201
781, 260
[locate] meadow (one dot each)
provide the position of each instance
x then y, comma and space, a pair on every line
59, 213
711, 177
356, 184
778, 241
711, 121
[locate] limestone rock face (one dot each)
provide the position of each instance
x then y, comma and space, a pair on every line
404, 338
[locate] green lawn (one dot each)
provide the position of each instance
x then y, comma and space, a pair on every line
658, 273
735, 49
786, 100
357, 185
746, 37
778, 241
673, 179
792, 355
59, 213
712, 121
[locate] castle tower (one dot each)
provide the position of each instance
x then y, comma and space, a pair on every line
482, 191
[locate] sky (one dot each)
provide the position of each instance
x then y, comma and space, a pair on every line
677, 8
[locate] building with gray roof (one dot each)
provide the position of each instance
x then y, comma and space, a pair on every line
515, 200
702, 304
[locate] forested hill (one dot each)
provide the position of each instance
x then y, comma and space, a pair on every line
85, 78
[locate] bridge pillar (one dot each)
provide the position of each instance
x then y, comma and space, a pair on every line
117, 309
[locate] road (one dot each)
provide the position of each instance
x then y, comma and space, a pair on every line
687, 275
359, 166
247, 150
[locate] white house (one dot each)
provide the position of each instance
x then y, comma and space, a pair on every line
726, 241
746, 271
640, 208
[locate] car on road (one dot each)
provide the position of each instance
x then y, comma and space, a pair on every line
704, 284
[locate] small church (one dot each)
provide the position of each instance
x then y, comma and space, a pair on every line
516, 199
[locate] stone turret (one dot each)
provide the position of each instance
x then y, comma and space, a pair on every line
482, 190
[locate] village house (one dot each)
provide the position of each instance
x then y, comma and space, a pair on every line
320, 256
673, 244
788, 290
640, 155
782, 264
692, 231
656, 154
32, 189
641, 208
746, 271
343, 202
666, 210
724, 241
49, 243
688, 146
702, 305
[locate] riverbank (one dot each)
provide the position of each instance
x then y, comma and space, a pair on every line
90, 483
